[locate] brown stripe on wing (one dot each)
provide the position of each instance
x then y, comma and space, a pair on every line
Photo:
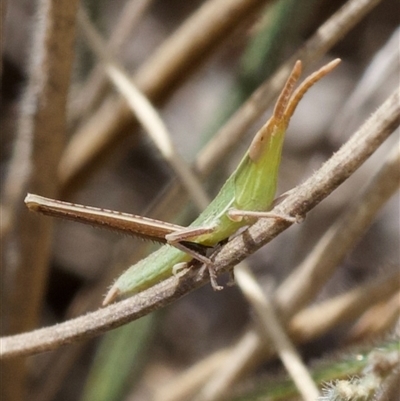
143, 227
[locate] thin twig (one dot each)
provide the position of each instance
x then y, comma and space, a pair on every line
384, 64
34, 163
3, 13
94, 137
305, 326
223, 141
316, 271
306, 280
190, 380
323, 39
376, 321
301, 200
145, 113
43, 118
174, 60
276, 333
316, 320
91, 91
57, 368
235, 364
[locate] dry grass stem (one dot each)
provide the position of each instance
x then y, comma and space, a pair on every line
57, 369
275, 332
15, 182
228, 373
193, 378
235, 364
307, 325
171, 64
377, 320
318, 319
324, 38
306, 280
144, 112
338, 272
89, 96
384, 64
3, 10
42, 124
302, 199
35, 158
234, 129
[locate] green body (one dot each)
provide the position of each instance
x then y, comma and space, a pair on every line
251, 187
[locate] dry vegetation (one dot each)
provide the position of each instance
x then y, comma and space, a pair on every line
328, 287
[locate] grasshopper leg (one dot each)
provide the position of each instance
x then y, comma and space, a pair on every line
238, 215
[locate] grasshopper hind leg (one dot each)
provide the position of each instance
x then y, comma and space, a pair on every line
198, 252
239, 215
213, 276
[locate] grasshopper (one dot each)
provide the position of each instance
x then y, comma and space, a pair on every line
247, 195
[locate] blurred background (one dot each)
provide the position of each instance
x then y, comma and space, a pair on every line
95, 153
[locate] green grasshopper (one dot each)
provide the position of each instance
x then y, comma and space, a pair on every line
246, 196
